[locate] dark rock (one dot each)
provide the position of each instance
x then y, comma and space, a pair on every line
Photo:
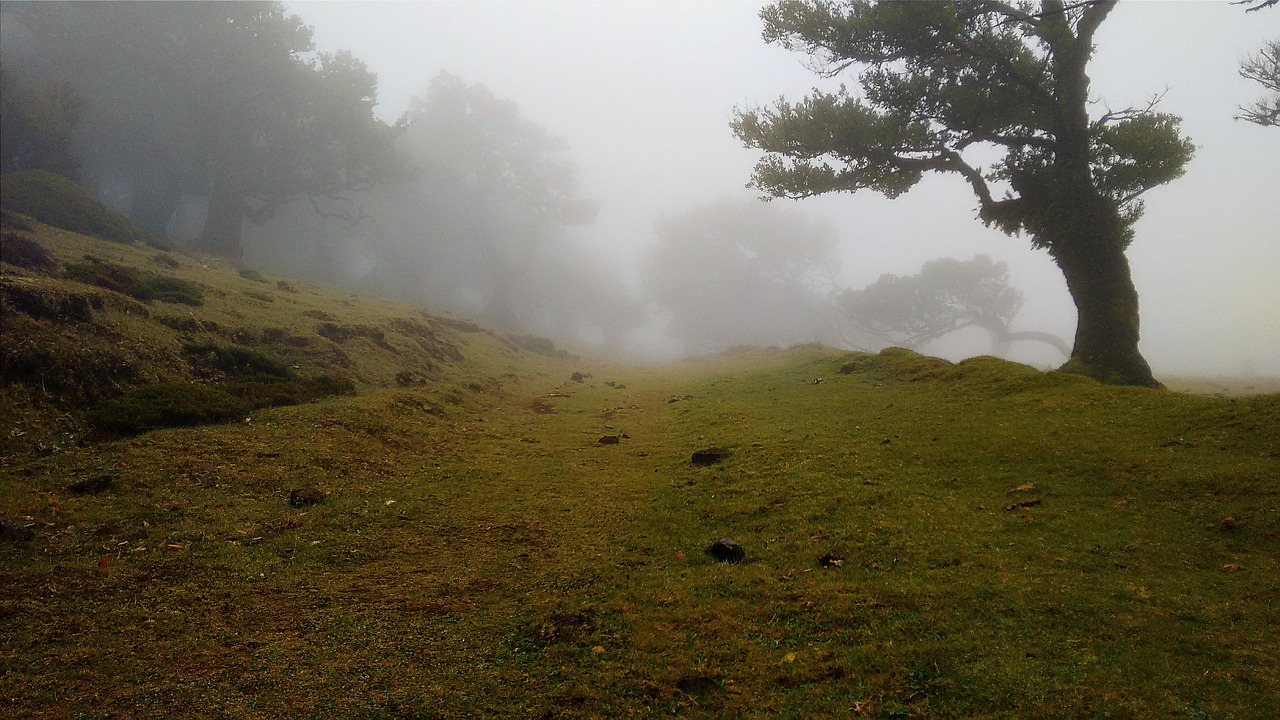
697, 685
709, 456
610, 440
91, 486
11, 531
579, 377
726, 550
302, 497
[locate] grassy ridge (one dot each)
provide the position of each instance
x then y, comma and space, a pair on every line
923, 540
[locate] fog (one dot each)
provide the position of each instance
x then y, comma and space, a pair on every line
642, 94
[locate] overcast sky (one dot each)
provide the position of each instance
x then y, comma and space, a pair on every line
643, 92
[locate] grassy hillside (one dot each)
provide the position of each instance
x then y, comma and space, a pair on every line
499, 539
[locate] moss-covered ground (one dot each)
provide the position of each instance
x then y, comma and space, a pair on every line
922, 539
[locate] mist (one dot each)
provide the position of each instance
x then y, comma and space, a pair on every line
612, 124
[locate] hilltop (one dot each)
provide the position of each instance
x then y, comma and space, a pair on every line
509, 531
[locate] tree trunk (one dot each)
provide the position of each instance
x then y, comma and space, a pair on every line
1106, 342
224, 223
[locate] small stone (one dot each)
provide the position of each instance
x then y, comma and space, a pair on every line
709, 456
302, 497
726, 550
610, 440
91, 486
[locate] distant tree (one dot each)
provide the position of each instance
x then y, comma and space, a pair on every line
37, 125
742, 273
946, 296
226, 100
494, 190
997, 93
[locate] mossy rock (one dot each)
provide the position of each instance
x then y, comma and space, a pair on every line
55, 200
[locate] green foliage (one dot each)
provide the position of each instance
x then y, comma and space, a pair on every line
166, 405
138, 284
939, 78
251, 274
54, 200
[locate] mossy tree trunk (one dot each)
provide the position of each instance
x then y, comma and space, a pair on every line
1106, 341
224, 223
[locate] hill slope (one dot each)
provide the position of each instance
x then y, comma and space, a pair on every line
498, 539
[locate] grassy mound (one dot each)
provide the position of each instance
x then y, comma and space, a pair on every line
54, 200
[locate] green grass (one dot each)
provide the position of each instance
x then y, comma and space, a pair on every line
1000, 542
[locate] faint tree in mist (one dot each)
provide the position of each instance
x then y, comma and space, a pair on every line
226, 101
743, 273
946, 296
494, 191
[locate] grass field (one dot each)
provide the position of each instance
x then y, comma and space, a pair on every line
922, 539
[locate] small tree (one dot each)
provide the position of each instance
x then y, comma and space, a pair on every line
946, 296
997, 93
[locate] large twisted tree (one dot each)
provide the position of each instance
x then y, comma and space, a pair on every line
997, 93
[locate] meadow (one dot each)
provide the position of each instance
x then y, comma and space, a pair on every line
510, 532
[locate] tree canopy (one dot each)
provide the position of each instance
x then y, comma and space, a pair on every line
996, 93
